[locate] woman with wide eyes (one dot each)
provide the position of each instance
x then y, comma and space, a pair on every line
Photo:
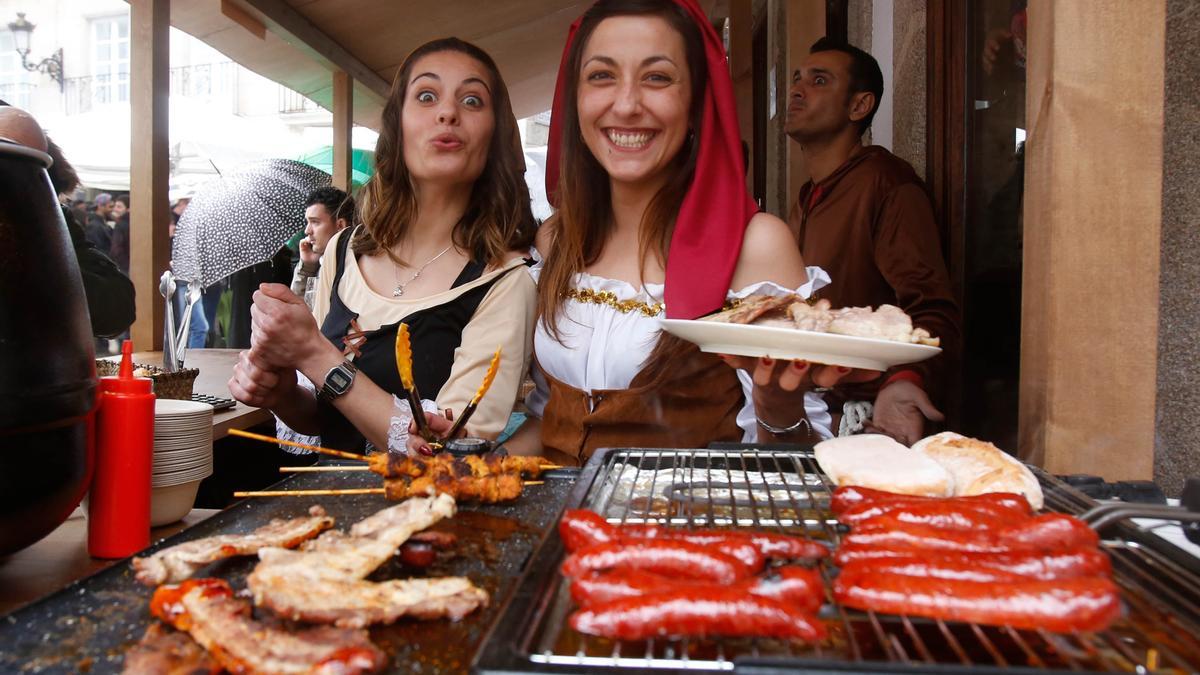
445, 226
654, 220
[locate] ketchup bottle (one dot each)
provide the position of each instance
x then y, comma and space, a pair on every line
119, 502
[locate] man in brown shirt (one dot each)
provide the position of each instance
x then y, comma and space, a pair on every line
865, 217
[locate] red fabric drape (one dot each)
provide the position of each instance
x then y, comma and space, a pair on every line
712, 219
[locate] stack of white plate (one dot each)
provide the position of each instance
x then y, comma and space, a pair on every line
182, 457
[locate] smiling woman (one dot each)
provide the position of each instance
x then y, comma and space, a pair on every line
654, 220
445, 226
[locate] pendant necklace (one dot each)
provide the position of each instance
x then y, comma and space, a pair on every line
400, 286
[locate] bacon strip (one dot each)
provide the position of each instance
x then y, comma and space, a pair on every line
324, 581
163, 651
222, 624
174, 564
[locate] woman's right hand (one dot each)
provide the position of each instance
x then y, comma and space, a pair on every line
258, 385
438, 424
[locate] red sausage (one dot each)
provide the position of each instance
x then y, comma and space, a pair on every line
580, 528
849, 495
726, 612
955, 516
1060, 606
670, 558
770, 545
795, 586
1052, 531
1066, 564
417, 553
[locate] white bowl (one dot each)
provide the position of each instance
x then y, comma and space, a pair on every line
169, 504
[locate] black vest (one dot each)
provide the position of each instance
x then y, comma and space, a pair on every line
434, 332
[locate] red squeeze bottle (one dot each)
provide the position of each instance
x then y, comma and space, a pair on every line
119, 501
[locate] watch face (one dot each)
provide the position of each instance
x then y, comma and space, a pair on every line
338, 380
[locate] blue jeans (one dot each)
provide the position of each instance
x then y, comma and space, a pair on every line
198, 329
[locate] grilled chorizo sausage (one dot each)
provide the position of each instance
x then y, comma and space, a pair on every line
580, 528
849, 495
770, 545
1060, 606
945, 515
1066, 564
726, 612
670, 558
795, 586
1051, 531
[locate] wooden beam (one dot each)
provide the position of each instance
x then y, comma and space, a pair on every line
149, 168
1093, 215
242, 18
298, 31
343, 125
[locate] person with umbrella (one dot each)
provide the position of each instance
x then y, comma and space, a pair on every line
445, 226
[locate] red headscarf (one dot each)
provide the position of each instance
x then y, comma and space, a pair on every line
712, 218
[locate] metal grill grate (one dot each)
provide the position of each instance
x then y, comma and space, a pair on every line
786, 492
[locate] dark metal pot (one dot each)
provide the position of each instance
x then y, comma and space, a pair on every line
47, 368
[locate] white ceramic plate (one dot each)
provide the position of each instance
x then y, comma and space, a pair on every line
792, 344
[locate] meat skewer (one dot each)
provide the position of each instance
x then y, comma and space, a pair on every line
302, 446
393, 465
396, 490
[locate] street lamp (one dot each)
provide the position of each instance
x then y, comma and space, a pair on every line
52, 65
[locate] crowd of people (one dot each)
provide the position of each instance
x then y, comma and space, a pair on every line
653, 219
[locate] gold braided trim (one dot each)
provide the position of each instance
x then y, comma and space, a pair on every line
609, 298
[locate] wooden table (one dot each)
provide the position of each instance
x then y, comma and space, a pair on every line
216, 366
62, 557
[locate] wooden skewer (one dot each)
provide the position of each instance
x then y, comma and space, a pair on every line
310, 493
331, 469
315, 469
302, 446
329, 493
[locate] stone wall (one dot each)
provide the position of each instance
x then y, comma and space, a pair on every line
1177, 437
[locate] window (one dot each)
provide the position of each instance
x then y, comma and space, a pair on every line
15, 81
110, 59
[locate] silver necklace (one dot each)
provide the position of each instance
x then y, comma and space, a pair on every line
400, 286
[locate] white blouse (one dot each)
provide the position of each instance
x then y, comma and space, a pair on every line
608, 329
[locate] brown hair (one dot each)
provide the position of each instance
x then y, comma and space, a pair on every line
583, 222
498, 218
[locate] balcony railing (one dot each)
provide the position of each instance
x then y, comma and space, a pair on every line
295, 102
205, 82
17, 94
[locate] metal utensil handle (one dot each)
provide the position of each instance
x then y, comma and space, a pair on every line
1100, 517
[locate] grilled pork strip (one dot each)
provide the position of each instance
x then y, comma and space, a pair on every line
323, 582
357, 604
174, 564
222, 624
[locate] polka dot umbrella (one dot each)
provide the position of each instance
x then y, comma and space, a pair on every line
242, 219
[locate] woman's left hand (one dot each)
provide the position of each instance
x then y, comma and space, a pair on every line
284, 333
780, 386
